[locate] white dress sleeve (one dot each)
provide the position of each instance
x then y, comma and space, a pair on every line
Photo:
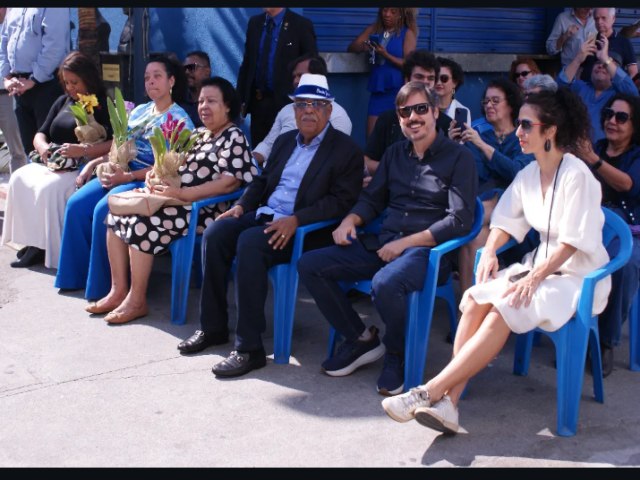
509, 212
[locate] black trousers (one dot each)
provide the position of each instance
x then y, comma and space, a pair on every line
263, 114
32, 108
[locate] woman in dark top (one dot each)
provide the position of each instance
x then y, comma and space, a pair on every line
615, 161
37, 195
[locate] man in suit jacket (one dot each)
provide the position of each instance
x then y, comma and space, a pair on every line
263, 79
313, 174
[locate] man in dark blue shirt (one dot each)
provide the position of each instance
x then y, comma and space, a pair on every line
426, 185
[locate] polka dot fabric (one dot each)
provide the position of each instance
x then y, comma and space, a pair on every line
227, 154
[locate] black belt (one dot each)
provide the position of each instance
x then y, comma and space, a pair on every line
20, 75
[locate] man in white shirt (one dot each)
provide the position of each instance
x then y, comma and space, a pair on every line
286, 121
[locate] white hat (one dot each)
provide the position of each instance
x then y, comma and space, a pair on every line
312, 86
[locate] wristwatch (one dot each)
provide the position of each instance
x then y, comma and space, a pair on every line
595, 166
608, 61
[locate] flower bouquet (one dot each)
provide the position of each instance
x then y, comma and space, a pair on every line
123, 148
170, 144
88, 130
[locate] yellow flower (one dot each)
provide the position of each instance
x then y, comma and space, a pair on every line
88, 102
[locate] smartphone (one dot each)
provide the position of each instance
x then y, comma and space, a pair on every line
374, 39
460, 118
599, 38
370, 241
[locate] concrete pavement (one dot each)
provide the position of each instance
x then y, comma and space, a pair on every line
76, 392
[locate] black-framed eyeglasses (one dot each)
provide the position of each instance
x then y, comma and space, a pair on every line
526, 125
302, 104
444, 78
621, 117
190, 67
492, 100
419, 108
522, 74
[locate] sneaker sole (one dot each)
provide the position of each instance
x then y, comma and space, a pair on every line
390, 393
429, 419
394, 417
369, 357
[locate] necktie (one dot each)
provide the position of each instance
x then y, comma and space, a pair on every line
263, 66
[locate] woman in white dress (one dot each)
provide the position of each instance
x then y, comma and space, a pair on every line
558, 196
37, 196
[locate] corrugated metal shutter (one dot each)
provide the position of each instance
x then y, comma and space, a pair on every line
463, 30
627, 16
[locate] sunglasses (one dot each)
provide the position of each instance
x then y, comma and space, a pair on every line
621, 117
419, 108
522, 74
493, 100
444, 78
190, 67
301, 105
526, 125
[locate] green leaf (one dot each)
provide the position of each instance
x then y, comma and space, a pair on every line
115, 123
122, 110
182, 139
79, 114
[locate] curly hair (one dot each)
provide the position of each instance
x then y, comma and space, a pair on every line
565, 110
408, 18
457, 73
419, 58
511, 92
634, 105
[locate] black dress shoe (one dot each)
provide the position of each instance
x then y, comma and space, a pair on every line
607, 360
32, 256
200, 340
240, 363
22, 251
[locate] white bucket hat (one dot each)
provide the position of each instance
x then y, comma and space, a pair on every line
312, 86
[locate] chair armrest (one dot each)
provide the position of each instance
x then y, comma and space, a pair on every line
197, 205
301, 232
510, 244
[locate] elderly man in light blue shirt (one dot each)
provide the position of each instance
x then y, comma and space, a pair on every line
570, 29
33, 43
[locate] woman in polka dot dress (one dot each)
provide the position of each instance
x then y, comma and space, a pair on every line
218, 163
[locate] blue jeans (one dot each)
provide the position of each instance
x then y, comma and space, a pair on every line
321, 270
222, 241
624, 285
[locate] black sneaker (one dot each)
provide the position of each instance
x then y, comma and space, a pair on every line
391, 380
352, 355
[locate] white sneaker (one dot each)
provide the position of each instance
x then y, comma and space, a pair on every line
441, 416
402, 407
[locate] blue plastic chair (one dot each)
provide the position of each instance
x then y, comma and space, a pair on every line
572, 339
284, 278
182, 258
634, 334
420, 305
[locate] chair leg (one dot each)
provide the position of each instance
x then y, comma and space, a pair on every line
634, 334
524, 344
570, 360
448, 295
596, 364
419, 316
285, 285
180, 275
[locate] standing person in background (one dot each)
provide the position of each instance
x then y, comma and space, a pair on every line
274, 39
604, 18
390, 38
197, 67
9, 123
569, 31
33, 42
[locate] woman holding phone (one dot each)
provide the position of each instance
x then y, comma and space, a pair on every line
451, 78
389, 39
